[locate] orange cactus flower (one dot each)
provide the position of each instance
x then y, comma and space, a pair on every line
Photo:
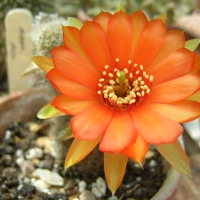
126, 81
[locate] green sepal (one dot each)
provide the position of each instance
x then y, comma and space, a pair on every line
48, 111
175, 155
72, 21
67, 133
120, 7
192, 44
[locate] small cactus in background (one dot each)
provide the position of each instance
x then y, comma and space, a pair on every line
46, 34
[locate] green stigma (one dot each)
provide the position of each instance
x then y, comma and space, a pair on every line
121, 83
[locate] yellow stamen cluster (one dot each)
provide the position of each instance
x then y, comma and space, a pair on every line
124, 89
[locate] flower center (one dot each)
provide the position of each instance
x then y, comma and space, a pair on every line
124, 89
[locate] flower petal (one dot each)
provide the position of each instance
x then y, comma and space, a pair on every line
138, 22
177, 64
182, 111
195, 97
150, 41
72, 21
48, 111
163, 17
176, 156
173, 41
114, 168
94, 43
69, 87
75, 68
102, 18
72, 41
137, 150
119, 38
192, 44
154, 127
196, 65
174, 90
71, 106
112, 140
44, 63
79, 150
92, 122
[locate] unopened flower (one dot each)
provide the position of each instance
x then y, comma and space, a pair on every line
126, 81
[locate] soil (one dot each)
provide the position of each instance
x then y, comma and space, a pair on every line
15, 184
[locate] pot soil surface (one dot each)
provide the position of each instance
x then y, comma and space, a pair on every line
26, 148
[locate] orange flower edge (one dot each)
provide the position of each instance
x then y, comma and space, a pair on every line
126, 87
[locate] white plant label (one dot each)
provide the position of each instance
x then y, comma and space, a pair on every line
19, 47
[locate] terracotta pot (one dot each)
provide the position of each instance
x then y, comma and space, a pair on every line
24, 106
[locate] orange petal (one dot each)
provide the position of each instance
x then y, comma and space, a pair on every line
137, 150
94, 43
69, 87
72, 41
45, 63
154, 127
102, 18
179, 63
71, 106
79, 150
138, 22
74, 67
92, 122
150, 40
182, 111
113, 139
119, 38
114, 167
197, 65
175, 90
173, 41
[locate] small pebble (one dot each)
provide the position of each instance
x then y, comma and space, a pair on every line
101, 185
26, 189
138, 179
46, 143
8, 149
49, 177
153, 163
7, 159
96, 192
19, 153
87, 195
26, 180
8, 134
41, 185
71, 187
19, 160
113, 198
34, 127
33, 180
34, 153
35, 161
45, 164
82, 186
149, 154
27, 167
